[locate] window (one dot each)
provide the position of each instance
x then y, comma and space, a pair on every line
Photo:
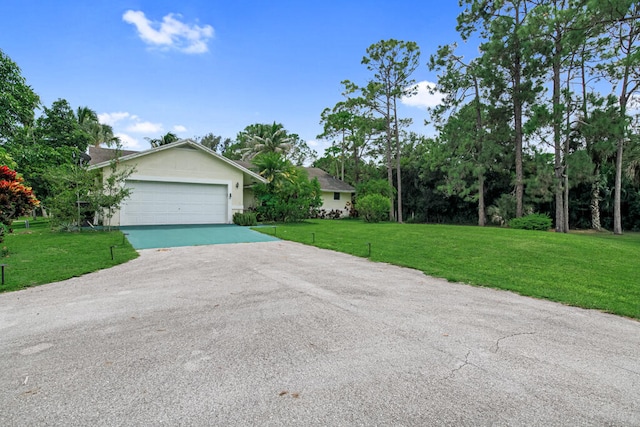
336, 196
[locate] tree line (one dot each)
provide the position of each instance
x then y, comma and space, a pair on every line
543, 118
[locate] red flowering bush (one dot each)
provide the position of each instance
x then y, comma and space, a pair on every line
16, 199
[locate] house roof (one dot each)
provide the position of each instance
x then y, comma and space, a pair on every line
103, 159
328, 182
100, 155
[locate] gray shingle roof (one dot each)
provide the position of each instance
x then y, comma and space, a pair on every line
99, 154
329, 183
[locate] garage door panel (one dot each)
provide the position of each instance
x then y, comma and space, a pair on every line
155, 203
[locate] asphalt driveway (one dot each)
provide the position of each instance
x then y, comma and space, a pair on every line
279, 333
167, 236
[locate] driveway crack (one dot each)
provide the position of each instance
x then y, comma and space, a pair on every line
465, 363
496, 346
626, 369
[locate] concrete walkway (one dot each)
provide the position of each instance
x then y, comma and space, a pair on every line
168, 236
283, 334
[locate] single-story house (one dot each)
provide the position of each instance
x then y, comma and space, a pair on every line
336, 195
179, 183
187, 183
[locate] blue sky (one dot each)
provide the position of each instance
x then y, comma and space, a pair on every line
194, 67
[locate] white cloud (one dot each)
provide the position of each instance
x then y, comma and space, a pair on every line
125, 123
171, 33
145, 127
112, 118
423, 98
179, 128
131, 143
312, 143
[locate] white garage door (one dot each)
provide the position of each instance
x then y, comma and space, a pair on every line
155, 203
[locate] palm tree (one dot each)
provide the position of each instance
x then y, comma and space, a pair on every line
100, 133
165, 139
263, 138
86, 117
274, 168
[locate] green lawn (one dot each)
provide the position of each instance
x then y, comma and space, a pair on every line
37, 255
591, 270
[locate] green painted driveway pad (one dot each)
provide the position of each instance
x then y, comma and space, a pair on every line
167, 236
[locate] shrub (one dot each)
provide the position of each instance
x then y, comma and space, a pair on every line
373, 207
540, 222
375, 186
16, 199
245, 219
288, 195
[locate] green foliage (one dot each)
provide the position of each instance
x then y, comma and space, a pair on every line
245, 218
262, 138
373, 207
375, 186
165, 139
503, 210
38, 255
288, 195
35, 159
352, 128
70, 204
17, 100
59, 127
78, 193
536, 221
574, 269
100, 133
215, 142
6, 159
110, 191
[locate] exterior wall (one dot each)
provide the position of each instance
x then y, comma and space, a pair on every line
184, 164
329, 204
249, 200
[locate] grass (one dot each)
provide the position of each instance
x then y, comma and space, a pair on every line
590, 270
38, 255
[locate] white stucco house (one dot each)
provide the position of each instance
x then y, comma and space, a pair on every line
179, 183
186, 183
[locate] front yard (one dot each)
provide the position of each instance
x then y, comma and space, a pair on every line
37, 255
590, 270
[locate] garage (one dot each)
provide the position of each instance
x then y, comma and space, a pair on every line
174, 184
160, 202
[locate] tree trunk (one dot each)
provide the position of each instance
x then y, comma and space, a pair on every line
482, 217
595, 203
559, 164
517, 116
565, 215
389, 175
617, 198
342, 157
398, 156
559, 195
356, 169
625, 94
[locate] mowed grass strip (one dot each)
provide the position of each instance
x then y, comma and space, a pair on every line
37, 255
590, 270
